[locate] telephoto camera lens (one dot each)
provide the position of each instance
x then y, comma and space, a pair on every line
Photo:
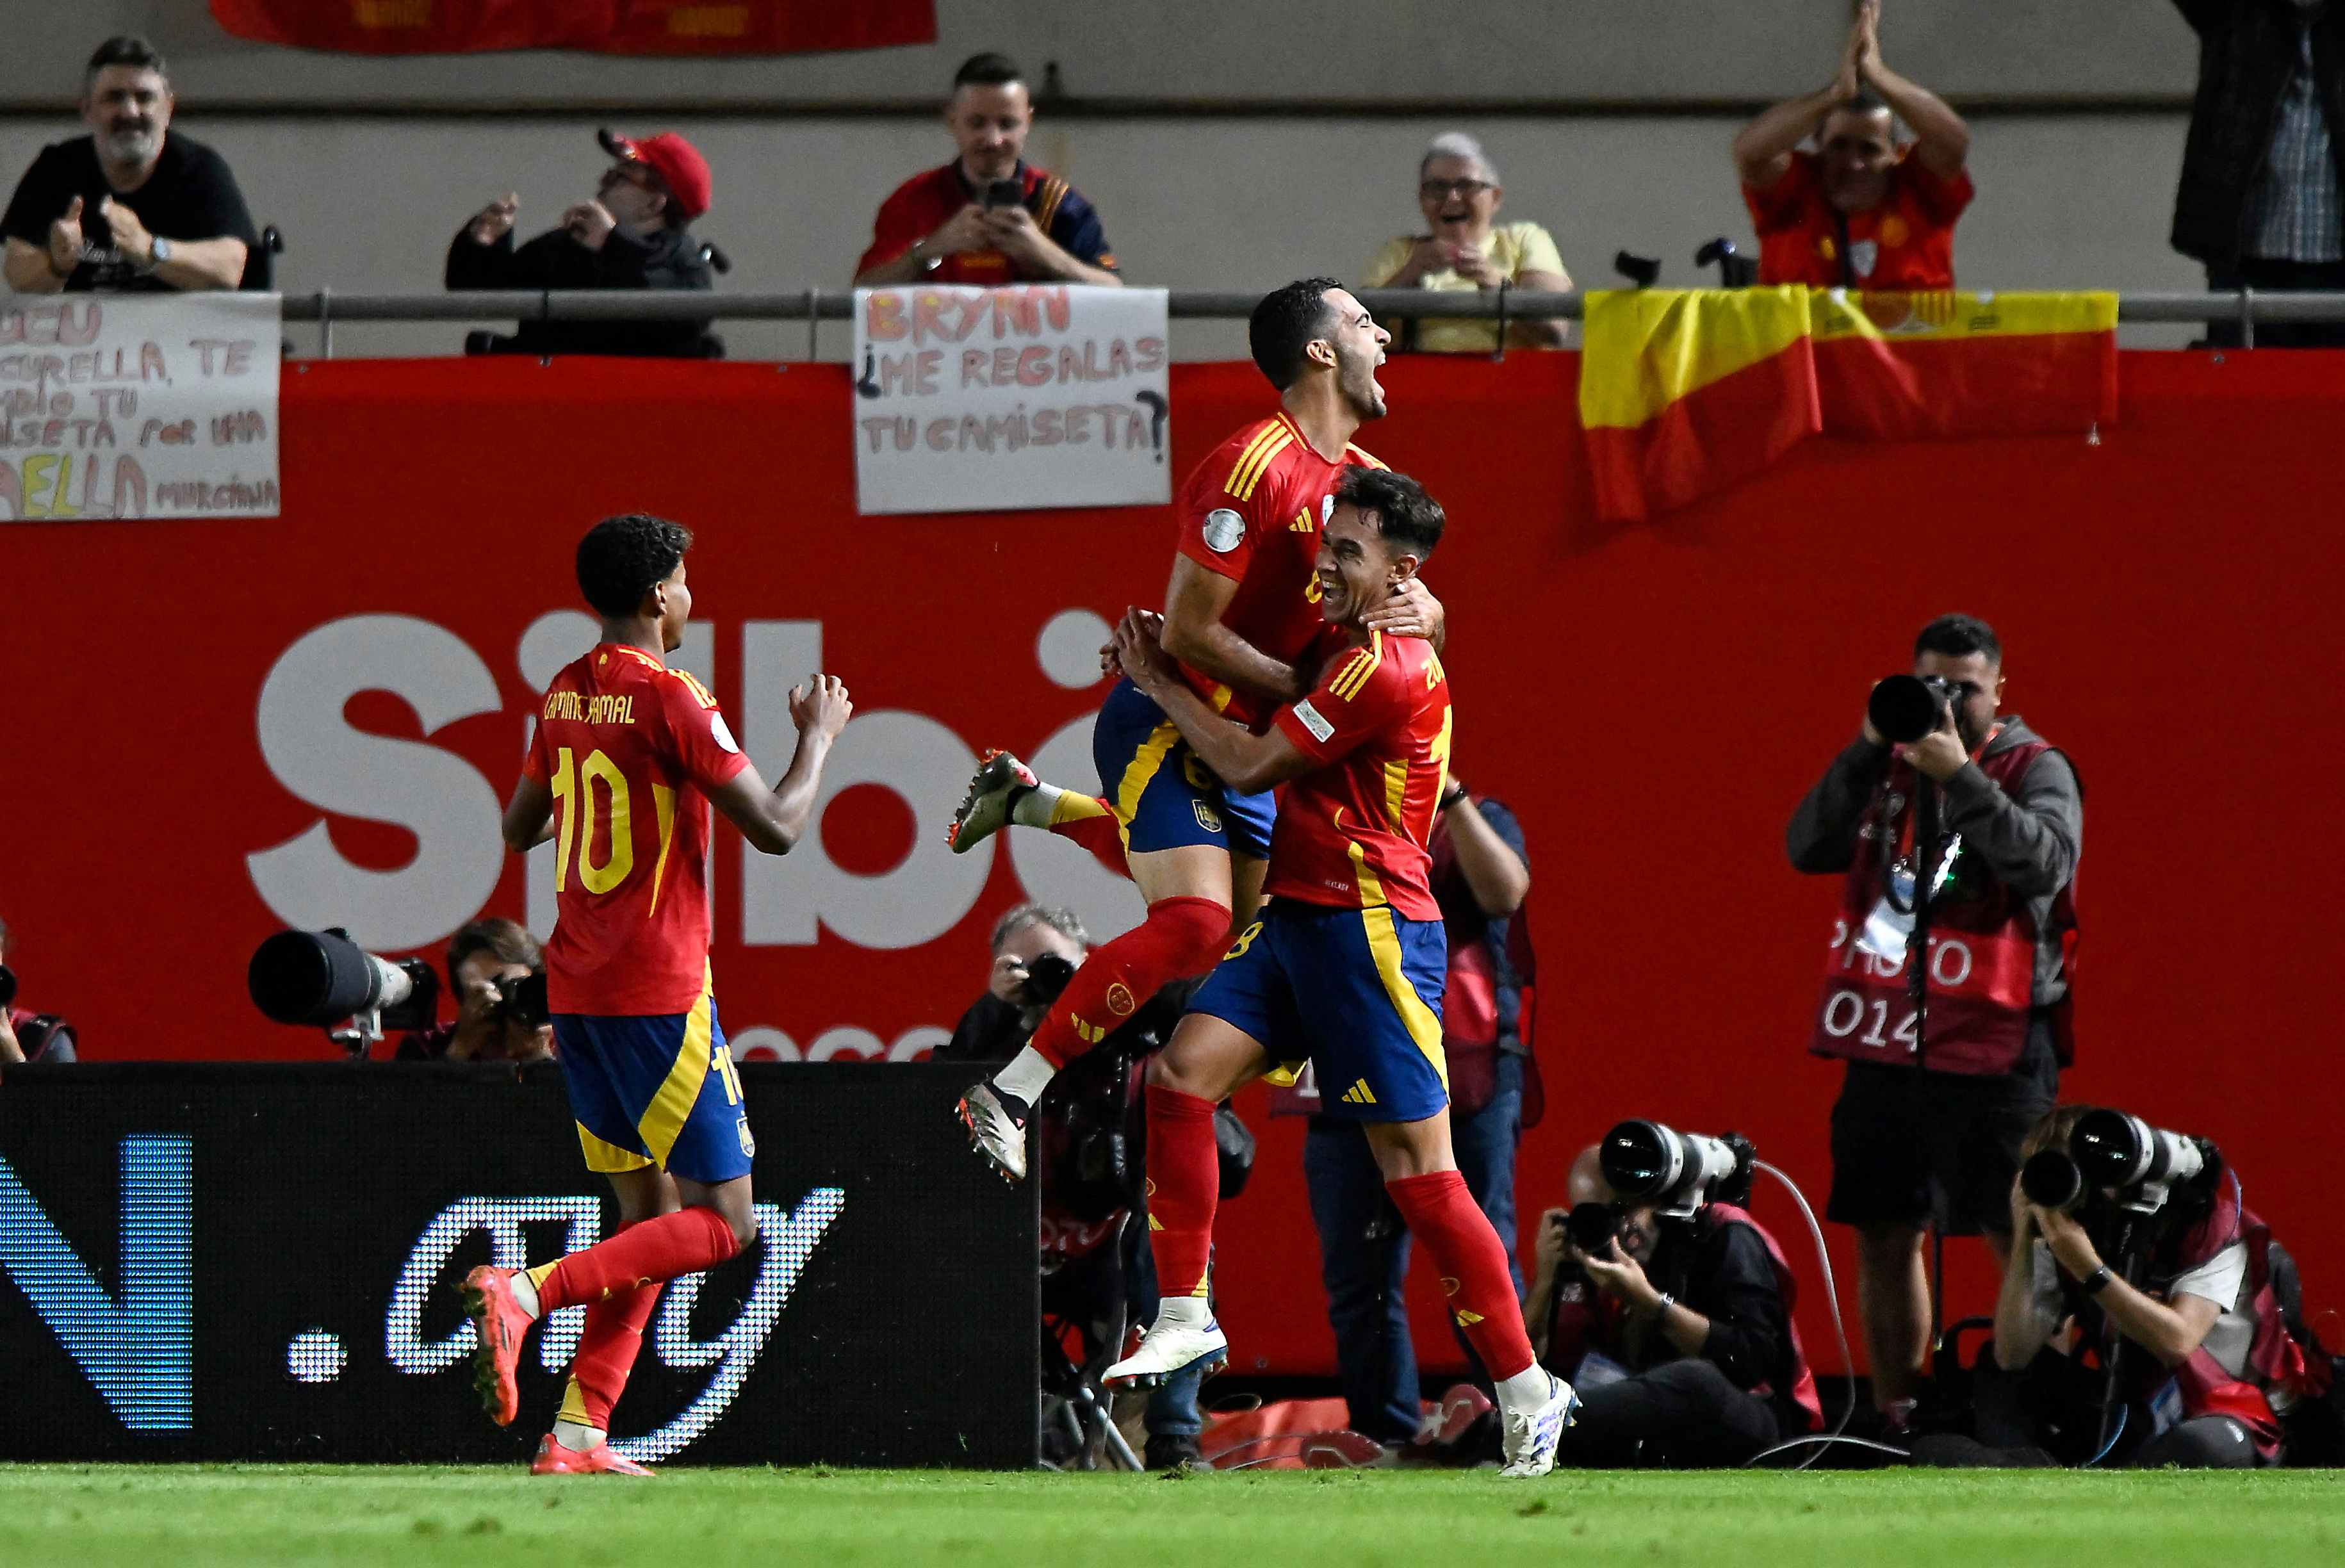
1592, 1227
2115, 1149
1903, 708
2050, 1179
322, 977
1646, 1162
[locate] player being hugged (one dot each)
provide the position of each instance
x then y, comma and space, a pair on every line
1240, 609
634, 753
1345, 965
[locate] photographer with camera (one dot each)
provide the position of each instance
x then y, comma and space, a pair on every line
26, 1036
1936, 1100
2133, 1244
1090, 1151
487, 962
1669, 1308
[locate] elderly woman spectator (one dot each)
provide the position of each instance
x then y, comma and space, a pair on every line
1467, 248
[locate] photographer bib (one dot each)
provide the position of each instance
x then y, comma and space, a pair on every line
1982, 957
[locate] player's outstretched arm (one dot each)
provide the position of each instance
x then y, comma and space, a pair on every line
1246, 762
529, 816
1194, 603
774, 820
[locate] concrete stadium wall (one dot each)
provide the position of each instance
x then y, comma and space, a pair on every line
1366, 50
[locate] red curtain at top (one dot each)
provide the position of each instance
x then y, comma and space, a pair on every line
605, 26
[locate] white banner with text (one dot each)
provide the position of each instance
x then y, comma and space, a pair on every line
138, 405
982, 400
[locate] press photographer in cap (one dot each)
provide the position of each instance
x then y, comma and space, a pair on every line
1941, 1089
1669, 1308
2147, 1316
633, 233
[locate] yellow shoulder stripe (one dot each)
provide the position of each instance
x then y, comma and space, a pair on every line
1362, 458
1257, 460
1353, 678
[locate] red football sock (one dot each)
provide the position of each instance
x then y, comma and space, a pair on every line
1185, 1182
1441, 1213
1088, 821
1181, 937
613, 1334
647, 1253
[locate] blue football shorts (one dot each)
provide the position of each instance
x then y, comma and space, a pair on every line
1163, 796
1356, 993
656, 1090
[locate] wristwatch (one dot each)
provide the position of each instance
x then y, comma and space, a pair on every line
160, 253
919, 253
2098, 1280
1453, 798
1661, 1307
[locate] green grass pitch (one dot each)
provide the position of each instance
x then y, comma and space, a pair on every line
96, 1516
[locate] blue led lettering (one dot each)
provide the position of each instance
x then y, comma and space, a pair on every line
139, 1351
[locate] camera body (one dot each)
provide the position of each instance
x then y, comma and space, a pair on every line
1046, 976
1677, 1173
521, 1003
1905, 707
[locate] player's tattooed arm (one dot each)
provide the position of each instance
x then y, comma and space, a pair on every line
1246, 762
529, 816
1194, 603
1411, 611
776, 819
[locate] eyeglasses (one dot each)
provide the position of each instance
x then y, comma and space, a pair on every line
1440, 189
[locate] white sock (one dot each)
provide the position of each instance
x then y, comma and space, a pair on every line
1183, 1312
524, 1291
1034, 808
1026, 1074
1526, 1391
577, 1438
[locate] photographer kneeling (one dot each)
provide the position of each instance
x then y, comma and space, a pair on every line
2203, 1363
487, 962
1671, 1314
1090, 1148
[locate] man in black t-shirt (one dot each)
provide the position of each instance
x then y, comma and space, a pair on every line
130, 206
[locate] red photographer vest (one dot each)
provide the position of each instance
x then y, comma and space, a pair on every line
1981, 973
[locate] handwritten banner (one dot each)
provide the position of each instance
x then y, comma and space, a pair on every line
118, 405
985, 399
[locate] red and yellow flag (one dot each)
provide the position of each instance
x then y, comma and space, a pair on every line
1685, 393
1895, 367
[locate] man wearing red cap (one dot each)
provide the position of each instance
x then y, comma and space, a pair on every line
632, 235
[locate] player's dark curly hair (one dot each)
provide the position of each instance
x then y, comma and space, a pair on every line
1958, 637
1284, 323
1405, 516
621, 558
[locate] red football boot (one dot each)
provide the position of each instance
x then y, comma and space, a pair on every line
552, 1458
501, 1325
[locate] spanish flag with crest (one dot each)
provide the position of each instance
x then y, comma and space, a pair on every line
1686, 392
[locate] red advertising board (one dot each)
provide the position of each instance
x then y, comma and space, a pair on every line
224, 726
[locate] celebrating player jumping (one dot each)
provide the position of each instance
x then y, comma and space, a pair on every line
1240, 610
1347, 964
634, 753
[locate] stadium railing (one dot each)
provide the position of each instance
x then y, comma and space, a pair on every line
2247, 307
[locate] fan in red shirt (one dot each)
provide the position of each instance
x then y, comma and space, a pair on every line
987, 217
1861, 211
633, 754
1344, 967
1240, 611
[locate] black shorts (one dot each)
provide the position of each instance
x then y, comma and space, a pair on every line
1912, 1148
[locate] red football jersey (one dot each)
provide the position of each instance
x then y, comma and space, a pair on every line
1354, 834
630, 748
1253, 511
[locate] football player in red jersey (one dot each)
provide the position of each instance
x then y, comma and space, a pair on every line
1345, 965
1240, 611
634, 753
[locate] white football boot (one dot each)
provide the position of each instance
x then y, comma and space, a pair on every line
1531, 1434
1168, 1348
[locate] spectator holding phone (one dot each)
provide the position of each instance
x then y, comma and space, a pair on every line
988, 217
